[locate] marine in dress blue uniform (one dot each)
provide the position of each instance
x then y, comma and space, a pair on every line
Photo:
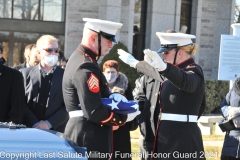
181, 96
84, 83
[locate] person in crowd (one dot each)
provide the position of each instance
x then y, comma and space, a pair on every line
146, 93
2, 60
231, 112
118, 82
90, 125
12, 99
43, 87
62, 62
34, 58
61, 55
27, 52
181, 94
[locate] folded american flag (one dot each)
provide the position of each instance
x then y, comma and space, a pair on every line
120, 107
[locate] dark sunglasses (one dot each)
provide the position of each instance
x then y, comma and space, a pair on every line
166, 52
49, 50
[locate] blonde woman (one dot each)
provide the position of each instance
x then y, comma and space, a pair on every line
181, 94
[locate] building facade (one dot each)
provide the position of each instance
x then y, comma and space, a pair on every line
23, 21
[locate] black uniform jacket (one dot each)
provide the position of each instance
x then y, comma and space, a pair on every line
85, 84
55, 111
182, 94
12, 101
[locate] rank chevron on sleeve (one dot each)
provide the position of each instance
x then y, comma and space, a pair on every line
93, 83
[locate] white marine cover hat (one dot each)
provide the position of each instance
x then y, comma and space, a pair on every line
173, 40
107, 29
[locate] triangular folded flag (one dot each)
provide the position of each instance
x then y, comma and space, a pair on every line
120, 107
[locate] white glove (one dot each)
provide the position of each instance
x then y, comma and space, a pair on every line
225, 110
236, 122
118, 97
154, 60
146, 58
233, 112
131, 116
127, 58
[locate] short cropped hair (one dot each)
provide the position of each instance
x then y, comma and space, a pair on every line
111, 64
45, 38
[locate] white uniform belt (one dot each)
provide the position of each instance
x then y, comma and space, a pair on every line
77, 113
178, 117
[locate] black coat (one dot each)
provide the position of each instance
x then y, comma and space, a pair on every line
147, 97
55, 111
12, 100
85, 84
182, 93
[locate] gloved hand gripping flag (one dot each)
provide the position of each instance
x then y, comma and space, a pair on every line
120, 107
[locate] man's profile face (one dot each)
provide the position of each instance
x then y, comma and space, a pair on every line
27, 53
106, 45
34, 58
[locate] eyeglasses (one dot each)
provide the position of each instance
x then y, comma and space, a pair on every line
50, 50
167, 52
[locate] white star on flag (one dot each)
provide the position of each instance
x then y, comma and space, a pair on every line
114, 105
135, 106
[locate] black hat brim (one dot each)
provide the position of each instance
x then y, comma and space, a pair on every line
114, 40
162, 49
109, 37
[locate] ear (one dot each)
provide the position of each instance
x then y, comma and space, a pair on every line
180, 53
93, 38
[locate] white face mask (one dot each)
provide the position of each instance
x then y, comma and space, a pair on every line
50, 60
111, 78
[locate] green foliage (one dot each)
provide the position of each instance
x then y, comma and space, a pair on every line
130, 72
215, 93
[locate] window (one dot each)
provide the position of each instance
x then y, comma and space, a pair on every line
43, 10
6, 9
185, 19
